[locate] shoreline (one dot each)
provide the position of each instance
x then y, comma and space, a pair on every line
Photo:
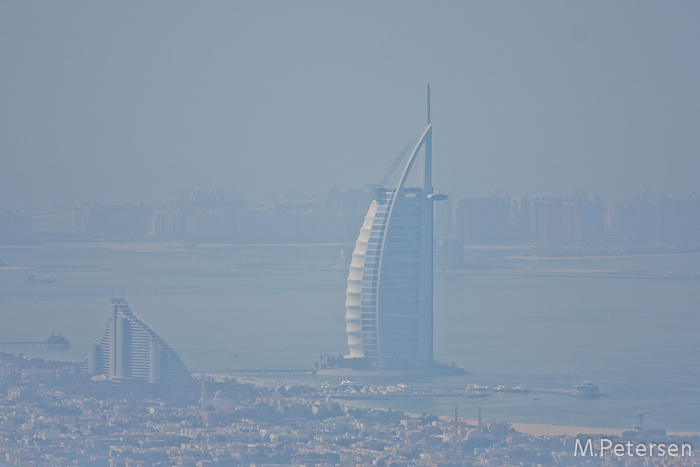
183, 247
144, 245
637, 255
534, 429
540, 429
571, 272
170, 246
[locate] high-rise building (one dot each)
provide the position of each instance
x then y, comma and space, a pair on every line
650, 218
114, 219
498, 220
567, 221
130, 349
15, 227
389, 297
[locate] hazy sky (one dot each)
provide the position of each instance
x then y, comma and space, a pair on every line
124, 101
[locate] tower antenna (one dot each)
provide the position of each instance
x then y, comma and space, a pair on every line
428, 104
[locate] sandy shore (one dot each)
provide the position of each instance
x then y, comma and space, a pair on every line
536, 429
132, 247
596, 273
159, 247
564, 258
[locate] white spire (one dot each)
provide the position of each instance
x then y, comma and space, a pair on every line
428, 106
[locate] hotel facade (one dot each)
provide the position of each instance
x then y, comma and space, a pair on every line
131, 349
389, 296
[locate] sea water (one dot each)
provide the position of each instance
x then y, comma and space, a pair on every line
240, 307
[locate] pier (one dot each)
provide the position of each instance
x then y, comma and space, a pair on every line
55, 342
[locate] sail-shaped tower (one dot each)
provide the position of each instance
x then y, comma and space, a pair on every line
389, 296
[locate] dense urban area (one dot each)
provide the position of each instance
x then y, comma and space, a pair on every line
576, 223
50, 415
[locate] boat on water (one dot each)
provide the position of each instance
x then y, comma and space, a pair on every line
33, 280
587, 389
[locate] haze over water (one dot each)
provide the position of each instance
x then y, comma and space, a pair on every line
283, 306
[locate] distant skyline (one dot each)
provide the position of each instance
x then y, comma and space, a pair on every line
127, 102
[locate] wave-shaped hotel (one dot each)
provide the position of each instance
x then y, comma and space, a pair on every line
389, 297
131, 349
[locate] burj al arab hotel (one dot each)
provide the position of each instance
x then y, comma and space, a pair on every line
389, 296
